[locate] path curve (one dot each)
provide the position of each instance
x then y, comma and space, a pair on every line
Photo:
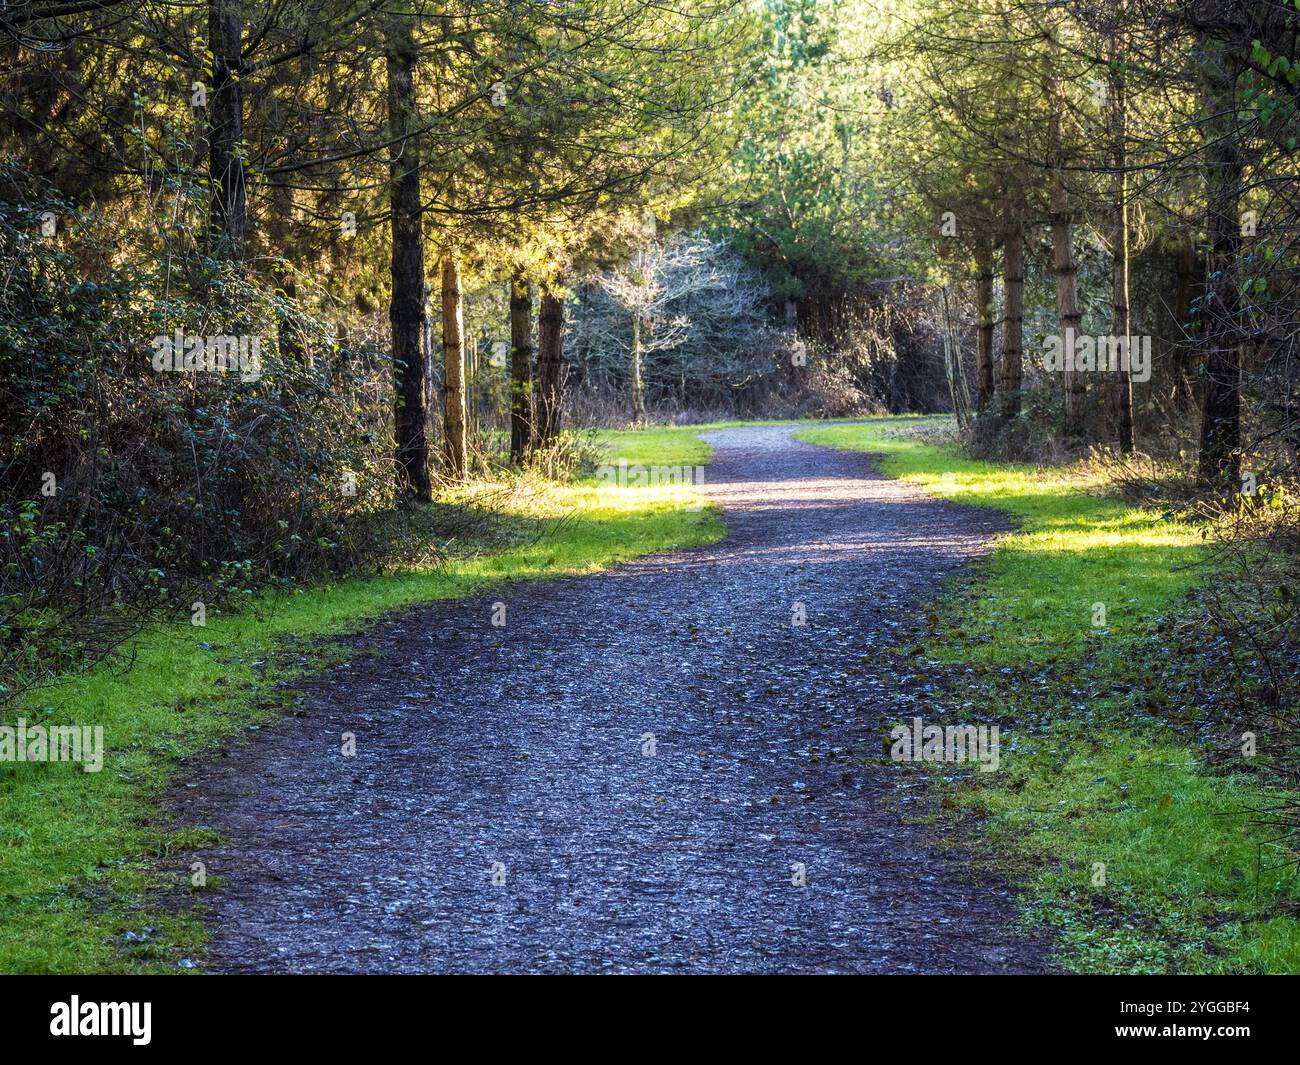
522, 751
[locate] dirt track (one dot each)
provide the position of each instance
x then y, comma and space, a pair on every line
524, 750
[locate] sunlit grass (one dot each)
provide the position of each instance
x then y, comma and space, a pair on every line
656, 446
680, 445
1071, 550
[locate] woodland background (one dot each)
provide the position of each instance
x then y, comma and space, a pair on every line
463, 232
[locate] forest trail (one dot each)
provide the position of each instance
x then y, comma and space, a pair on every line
523, 755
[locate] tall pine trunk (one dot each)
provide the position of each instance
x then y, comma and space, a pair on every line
521, 368
1013, 284
983, 323
638, 390
550, 340
406, 309
228, 205
1121, 325
455, 449
1067, 285
1221, 337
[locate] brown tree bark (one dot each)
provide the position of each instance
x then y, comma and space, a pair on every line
1068, 315
406, 309
454, 446
228, 206
550, 339
638, 390
521, 368
1013, 283
1121, 325
983, 323
1220, 392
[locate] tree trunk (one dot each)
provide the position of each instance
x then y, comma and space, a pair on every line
228, 205
1189, 271
1013, 283
1220, 395
550, 339
1120, 322
521, 368
406, 309
431, 323
469, 345
455, 449
638, 394
1067, 287
984, 323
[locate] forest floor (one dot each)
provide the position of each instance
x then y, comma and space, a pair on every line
674, 765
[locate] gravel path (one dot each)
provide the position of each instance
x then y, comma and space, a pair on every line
507, 810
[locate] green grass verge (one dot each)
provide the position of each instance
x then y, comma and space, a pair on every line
1140, 859
670, 445
656, 446
80, 889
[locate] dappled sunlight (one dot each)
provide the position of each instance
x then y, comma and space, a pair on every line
1077, 536
1071, 552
